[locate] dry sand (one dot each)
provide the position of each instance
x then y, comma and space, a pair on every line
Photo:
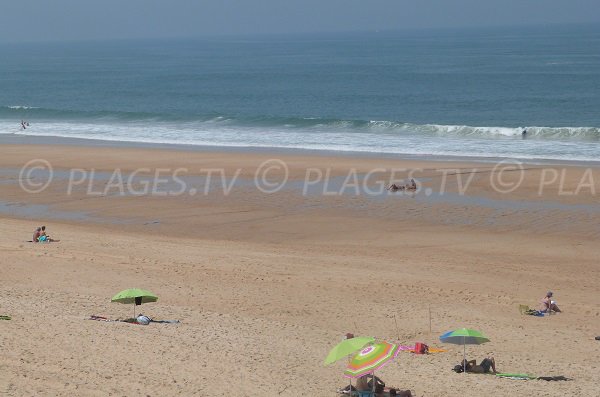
266, 284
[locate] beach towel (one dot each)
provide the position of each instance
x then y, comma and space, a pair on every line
165, 321
553, 378
524, 309
411, 349
139, 321
108, 320
145, 320
516, 376
435, 350
536, 313
4, 317
99, 318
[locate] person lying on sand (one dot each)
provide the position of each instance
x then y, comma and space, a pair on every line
394, 188
402, 393
482, 368
145, 320
548, 305
141, 319
411, 186
365, 383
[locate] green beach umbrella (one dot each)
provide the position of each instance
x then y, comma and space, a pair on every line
464, 336
134, 295
347, 347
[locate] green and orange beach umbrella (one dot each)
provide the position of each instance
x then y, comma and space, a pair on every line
371, 359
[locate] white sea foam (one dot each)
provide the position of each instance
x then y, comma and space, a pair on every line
462, 141
19, 107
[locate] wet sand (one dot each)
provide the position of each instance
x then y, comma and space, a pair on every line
265, 284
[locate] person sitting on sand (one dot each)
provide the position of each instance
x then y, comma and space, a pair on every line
548, 305
365, 383
482, 368
362, 384
412, 186
36, 235
43, 236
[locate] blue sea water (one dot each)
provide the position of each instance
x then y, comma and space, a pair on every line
466, 93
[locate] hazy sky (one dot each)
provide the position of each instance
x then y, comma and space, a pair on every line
26, 20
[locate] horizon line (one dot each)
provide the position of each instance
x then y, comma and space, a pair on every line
217, 36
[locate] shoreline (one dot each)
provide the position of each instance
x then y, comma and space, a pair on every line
17, 139
112, 184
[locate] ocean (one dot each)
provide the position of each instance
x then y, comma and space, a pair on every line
465, 93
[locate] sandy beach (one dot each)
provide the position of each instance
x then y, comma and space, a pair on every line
269, 258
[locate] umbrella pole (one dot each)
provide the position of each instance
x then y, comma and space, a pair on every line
133, 309
373, 382
464, 356
430, 319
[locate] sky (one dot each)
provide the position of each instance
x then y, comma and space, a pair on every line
42, 20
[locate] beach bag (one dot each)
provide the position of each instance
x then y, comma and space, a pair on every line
421, 348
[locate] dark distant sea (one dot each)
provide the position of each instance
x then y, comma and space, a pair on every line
467, 93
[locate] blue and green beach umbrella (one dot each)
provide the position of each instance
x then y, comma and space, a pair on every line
464, 336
